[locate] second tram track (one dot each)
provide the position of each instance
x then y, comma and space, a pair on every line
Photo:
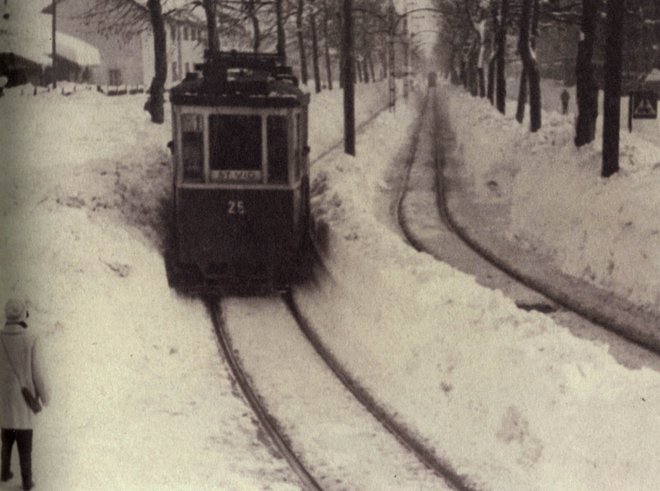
624, 330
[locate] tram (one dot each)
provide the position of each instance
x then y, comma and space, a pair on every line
241, 174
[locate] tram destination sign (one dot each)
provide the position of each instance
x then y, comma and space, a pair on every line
236, 175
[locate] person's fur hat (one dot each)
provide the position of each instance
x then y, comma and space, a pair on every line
15, 311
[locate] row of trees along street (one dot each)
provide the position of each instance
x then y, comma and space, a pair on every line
288, 27
475, 46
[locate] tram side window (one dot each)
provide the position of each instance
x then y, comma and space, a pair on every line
192, 142
277, 149
235, 145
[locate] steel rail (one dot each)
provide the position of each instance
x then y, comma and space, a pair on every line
404, 436
624, 330
266, 420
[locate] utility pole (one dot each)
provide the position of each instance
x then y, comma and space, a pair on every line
349, 88
54, 43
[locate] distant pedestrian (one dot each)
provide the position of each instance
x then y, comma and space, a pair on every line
20, 367
565, 97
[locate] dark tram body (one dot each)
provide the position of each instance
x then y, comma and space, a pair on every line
241, 173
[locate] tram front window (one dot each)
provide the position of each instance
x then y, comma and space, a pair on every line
277, 149
235, 147
192, 141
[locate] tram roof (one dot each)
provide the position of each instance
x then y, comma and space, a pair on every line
240, 79
199, 92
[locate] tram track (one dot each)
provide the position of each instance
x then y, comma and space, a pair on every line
266, 420
269, 423
292, 437
554, 295
425, 455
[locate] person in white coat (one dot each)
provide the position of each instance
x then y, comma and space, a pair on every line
20, 366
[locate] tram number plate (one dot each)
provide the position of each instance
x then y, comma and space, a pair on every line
235, 207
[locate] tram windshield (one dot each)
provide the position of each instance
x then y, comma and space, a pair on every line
235, 147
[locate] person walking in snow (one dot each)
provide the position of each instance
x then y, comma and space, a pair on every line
20, 369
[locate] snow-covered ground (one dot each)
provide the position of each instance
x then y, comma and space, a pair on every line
142, 399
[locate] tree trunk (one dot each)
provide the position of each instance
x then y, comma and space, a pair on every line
256, 42
155, 103
613, 68
211, 25
315, 50
522, 95
530, 66
587, 87
480, 60
326, 45
342, 76
490, 89
534, 75
501, 56
349, 89
281, 36
473, 70
492, 61
301, 42
370, 62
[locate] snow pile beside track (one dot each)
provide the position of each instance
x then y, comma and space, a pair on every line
510, 400
605, 231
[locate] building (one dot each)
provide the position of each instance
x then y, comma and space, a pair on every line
121, 31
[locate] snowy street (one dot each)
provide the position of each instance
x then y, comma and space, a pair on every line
511, 399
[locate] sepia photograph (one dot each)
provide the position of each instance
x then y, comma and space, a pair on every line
330, 245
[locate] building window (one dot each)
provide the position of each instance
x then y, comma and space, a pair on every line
114, 76
193, 34
185, 33
175, 72
173, 33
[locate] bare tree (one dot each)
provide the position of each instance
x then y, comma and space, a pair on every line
326, 44
587, 87
612, 104
315, 47
301, 41
154, 104
211, 25
530, 74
